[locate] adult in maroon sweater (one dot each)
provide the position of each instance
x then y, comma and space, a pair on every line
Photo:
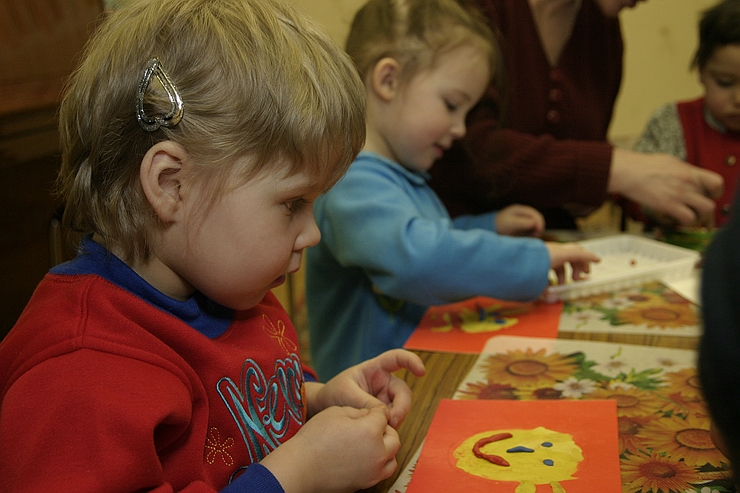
563, 62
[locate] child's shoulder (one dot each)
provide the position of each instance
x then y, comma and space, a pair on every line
369, 177
372, 160
371, 163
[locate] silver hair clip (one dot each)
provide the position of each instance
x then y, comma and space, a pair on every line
169, 120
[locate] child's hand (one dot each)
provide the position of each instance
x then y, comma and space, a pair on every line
572, 253
520, 220
340, 449
372, 384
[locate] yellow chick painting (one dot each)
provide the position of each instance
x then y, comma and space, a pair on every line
527, 456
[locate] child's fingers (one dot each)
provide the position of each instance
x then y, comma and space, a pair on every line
391, 446
389, 468
560, 274
400, 404
580, 271
392, 441
397, 359
378, 414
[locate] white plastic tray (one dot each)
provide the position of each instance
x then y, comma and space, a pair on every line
626, 261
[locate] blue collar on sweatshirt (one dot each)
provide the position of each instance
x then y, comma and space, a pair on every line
199, 312
415, 176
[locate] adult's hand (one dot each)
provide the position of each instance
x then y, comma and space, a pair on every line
666, 185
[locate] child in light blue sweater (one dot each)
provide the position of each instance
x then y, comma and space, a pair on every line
389, 249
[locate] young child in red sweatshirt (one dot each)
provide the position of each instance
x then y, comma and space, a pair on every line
196, 134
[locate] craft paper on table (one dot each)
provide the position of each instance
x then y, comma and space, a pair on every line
687, 287
466, 326
664, 440
663, 425
520, 446
651, 308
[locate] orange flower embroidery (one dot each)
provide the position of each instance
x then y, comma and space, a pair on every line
278, 333
215, 447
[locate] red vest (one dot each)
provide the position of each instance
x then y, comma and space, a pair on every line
713, 150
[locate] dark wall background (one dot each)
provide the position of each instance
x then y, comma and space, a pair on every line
40, 41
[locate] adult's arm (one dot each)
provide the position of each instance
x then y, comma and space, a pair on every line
494, 167
508, 167
666, 185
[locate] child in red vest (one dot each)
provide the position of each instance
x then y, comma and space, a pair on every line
706, 131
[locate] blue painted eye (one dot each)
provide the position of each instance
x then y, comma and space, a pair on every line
548, 462
546, 444
519, 449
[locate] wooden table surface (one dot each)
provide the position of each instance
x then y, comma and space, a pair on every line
445, 372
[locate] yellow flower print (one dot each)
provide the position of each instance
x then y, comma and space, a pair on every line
527, 369
686, 438
685, 382
487, 390
630, 401
658, 315
651, 473
629, 430
676, 404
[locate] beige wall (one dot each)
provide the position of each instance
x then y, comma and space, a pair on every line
660, 39
335, 15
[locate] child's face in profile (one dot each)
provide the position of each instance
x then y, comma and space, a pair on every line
721, 80
251, 239
429, 112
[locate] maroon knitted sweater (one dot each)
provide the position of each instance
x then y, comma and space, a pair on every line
549, 149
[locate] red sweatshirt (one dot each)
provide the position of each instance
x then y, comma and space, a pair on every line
104, 391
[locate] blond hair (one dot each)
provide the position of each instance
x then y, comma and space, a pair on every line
416, 33
256, 79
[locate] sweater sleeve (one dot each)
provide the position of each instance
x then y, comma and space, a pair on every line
495, 167
514, 151
663, 133
256, 479
369, 221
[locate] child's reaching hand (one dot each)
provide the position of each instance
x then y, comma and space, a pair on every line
572, 253
370, 384
520, 220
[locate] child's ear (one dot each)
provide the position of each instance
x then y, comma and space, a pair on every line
160, 174
385, 78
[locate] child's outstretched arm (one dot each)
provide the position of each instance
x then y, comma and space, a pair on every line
370, 384
579, 259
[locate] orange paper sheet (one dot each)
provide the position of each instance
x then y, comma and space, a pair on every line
546, 430
464, 327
